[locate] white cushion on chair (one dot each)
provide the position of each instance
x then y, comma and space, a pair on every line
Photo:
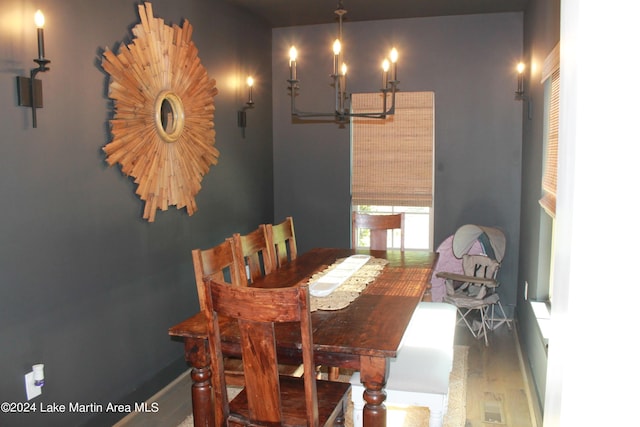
419, 376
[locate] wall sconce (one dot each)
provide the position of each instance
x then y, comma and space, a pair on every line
30, 88
520, 88
242, 114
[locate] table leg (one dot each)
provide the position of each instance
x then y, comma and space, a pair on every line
199, 359
373, 374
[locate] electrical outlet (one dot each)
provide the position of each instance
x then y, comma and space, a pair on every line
32, 389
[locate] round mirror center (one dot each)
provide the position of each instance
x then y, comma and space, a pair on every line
169, 116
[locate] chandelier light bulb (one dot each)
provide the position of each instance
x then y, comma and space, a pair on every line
336, 47
343, 85
385, 73
293, 55
393, 55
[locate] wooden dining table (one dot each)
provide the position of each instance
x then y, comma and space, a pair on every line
363, 336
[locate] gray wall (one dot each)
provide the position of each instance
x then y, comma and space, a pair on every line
542, 33
469, 61
88, 287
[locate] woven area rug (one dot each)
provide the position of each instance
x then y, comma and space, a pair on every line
414, 416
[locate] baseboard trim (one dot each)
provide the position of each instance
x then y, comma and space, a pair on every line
535, 411
155, 385
155, 398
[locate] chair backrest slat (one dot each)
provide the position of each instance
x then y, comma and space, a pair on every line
261, 381
255, 252
282, 239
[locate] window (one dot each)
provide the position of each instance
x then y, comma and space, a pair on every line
417, 224
392, 163
543, 291
552, 104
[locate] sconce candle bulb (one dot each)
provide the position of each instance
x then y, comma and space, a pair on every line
250, 85
520, 70
39, 19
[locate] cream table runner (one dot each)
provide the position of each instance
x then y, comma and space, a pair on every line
351, 288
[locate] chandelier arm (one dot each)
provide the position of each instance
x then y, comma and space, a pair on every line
343, 115
308, 114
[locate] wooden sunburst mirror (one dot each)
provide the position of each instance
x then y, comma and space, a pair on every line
162, 126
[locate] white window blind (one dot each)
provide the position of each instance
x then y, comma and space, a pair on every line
550, 171
392, 159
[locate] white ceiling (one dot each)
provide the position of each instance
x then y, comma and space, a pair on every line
286, 13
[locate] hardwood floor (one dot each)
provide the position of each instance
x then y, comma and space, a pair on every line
497, 393
496, 390
173, 403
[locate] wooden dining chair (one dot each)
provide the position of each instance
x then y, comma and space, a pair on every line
269, 399
219, 262
282, 240
254, 253
378, 226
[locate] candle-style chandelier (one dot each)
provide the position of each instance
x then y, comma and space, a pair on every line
342, 111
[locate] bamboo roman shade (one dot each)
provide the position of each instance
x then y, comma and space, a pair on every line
549, 182
392, 159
